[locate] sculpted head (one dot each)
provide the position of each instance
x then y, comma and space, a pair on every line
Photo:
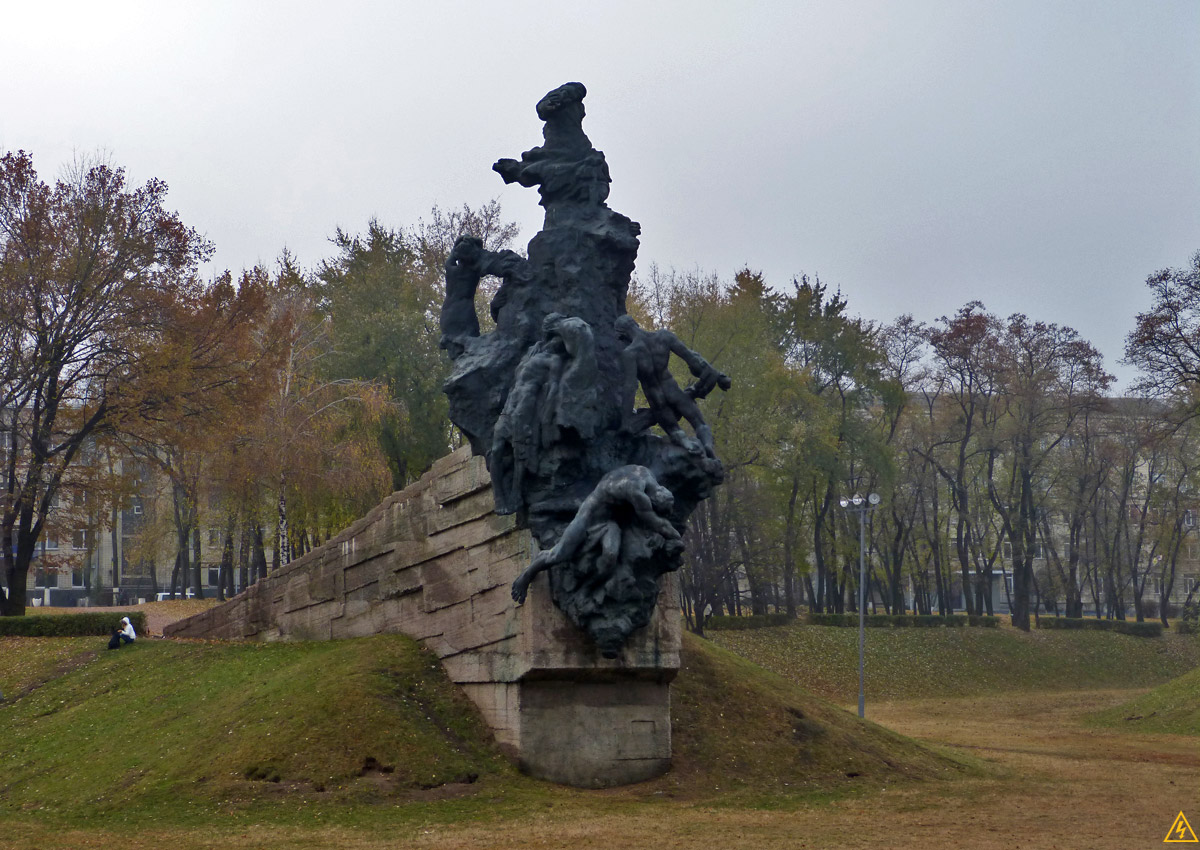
566, 95
662, 499
550, 324
626, 327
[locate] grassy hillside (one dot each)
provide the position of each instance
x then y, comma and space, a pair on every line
914, 663
738, 726
27, 662
334, 729
161, 721
1173, 707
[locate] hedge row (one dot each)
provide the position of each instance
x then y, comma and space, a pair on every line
897, 621
1125, 627
71, 625
754, 621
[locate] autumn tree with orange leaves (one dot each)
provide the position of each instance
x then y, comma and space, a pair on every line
104, 327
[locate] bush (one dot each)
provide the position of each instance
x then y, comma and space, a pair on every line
1124, 627
986, 621
70, 625
1189, 619
896, 621
754, 621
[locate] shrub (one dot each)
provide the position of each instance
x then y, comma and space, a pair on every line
1189, 619
925, 621
987, 621
754, 621
1125, 627
70, 625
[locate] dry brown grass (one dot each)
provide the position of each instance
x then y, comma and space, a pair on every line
1057, 784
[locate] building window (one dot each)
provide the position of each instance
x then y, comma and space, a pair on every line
50, 543
214, 576
81, 538
1189, 519
137, 506
214, 537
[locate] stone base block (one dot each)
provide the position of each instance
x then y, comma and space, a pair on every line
595, 734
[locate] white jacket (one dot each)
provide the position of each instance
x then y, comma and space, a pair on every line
127, 629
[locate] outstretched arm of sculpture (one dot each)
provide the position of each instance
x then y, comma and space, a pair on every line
517, 171
462, 279
568, 545
707, 376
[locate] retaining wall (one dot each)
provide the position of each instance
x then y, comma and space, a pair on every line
434, 561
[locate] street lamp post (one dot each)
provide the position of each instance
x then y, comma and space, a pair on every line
857, 504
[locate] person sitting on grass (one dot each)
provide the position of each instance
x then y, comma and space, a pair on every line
123, 635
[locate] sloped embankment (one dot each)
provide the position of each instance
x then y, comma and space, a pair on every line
219, 721
334, 723
737, 725
1173, 708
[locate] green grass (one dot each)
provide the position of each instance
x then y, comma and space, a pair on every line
1173, 708
210, 742
27, 661
222, 735
742, 729
915, 663
174, 725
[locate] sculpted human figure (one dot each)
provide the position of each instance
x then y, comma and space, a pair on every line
554, 389
566, 167
518, 437
467, 263
547, 395
646, 360
627, 503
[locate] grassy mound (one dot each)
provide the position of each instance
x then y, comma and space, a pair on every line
161, 720
738, 726
1173, 707
916, 663
193, 731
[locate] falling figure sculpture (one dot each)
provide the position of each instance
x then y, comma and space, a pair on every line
547, 397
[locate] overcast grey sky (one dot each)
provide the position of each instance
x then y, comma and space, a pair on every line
1039, 156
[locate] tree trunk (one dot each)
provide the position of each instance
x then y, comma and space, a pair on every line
789, 564
197, 566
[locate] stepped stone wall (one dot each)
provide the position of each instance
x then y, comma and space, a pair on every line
434, 561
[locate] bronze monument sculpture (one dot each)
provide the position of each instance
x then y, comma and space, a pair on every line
547, 397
